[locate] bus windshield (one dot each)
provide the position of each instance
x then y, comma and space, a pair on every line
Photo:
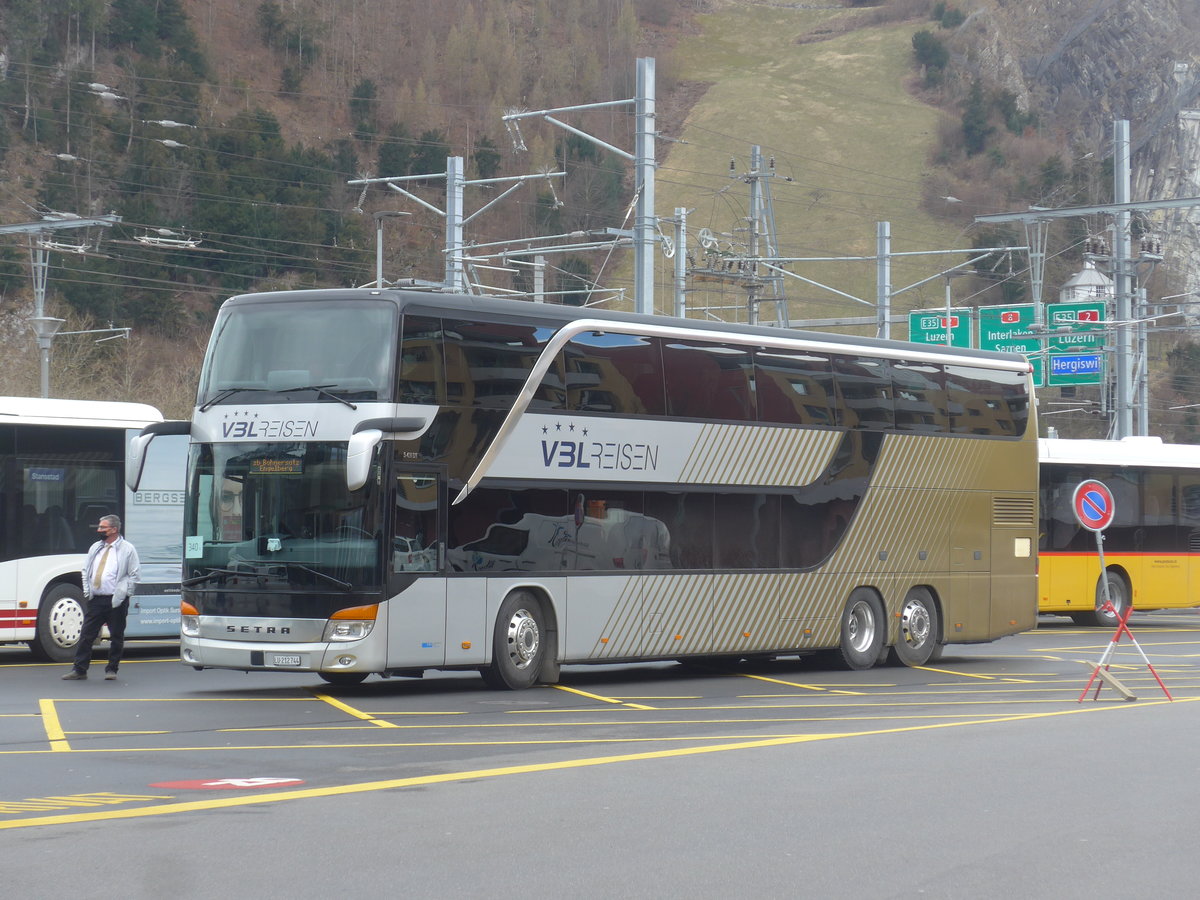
259, 350
280, 515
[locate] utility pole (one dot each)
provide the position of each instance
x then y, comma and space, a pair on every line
454, 278
1122, 268
645, 225
46, 327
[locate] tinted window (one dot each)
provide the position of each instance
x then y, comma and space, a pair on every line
748, 532
984, 401
689, 521
613, 373
488, 363
866, 389
919, 397
422, 371
708, 381
794, 388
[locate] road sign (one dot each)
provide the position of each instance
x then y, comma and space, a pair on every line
928, 326
1076, 327
1011, 328
1066, 368
1093, 504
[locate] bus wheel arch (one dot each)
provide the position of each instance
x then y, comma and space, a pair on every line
524, 642
918, 627
59, 622
1120, 589
862, 630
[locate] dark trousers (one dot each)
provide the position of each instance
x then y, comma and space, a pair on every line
100, 612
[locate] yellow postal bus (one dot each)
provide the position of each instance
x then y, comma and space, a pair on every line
1152, 548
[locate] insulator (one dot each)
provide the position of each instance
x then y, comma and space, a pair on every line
732, 165
771, 165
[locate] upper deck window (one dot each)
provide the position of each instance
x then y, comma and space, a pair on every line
345, 347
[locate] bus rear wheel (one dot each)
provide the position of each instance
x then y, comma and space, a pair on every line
1119, 594
59, 624
918, 635
518, 644
862, 630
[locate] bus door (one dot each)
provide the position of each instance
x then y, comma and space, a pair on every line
416, 568
968, 614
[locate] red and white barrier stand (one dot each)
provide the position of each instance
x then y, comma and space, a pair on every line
1101, 670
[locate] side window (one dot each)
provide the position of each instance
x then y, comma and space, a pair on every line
866, 388
794, 388
919, 397
422, 370
748, 533
614, 373
688, 520
487, 364
415, 528
976, 402
708, 381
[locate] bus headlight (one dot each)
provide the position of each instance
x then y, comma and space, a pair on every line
351, 624
347, 629
189, 620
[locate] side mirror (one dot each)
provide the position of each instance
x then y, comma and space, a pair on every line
367, 435
358, 457
135, 459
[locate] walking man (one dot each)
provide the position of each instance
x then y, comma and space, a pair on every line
109, 577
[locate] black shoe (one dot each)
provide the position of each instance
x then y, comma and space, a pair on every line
110, 675
75, 676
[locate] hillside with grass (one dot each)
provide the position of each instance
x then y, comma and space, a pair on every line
830, 97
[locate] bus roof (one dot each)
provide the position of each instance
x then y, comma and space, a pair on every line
92, 413
1137, 451
442, 303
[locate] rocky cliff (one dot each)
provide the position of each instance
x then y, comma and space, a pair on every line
1083, 64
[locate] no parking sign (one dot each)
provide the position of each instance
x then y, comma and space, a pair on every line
1094, 505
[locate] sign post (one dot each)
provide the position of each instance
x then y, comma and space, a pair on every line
1095, 508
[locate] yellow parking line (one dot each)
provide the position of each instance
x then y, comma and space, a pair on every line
560, 765
795, 684
571, 690
54, 732
357, 713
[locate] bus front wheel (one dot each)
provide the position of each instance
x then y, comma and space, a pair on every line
59, 624
862, 630
1118, 593
343, 679
518, 644
919, 633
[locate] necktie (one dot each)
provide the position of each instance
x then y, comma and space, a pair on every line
100, 568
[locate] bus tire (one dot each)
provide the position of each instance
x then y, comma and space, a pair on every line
343, 679
862, 630
59, 624
518, 644
918, 633
1120, 595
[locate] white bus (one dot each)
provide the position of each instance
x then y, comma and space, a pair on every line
61, 468
387, 482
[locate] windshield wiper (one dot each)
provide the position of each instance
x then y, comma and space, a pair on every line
223, 393
344, 585
321, 391
213, 573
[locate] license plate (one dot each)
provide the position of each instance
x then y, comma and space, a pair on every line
280, 659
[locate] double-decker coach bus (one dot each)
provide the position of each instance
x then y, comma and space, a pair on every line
1152, 547
61, 467
389, 482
